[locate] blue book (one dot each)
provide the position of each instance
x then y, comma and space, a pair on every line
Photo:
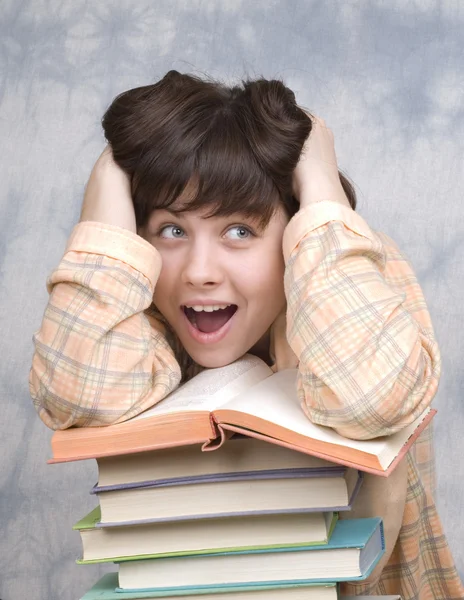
354, 549
105, 590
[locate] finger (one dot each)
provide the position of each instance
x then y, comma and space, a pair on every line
318, 121
322, 124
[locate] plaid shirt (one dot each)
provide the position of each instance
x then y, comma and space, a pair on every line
356, 325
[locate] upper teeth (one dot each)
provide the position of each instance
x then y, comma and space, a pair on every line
210, 308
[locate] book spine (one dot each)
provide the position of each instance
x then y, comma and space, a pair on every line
356, 489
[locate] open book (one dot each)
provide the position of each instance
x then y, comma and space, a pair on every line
244, 397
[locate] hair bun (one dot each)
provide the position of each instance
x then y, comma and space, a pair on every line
277, 127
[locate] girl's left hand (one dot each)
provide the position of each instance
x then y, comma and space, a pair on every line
316, 177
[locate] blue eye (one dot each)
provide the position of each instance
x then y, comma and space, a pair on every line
239, 232
171, 232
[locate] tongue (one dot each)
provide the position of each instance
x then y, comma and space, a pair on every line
207, 322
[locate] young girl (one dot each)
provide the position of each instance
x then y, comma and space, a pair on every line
208, 231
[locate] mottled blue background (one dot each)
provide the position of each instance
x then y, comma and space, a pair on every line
386, 75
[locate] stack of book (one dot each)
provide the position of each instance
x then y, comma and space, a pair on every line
252, 520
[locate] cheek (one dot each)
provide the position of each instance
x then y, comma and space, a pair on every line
268, 282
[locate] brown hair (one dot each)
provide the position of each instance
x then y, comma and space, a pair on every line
239, 145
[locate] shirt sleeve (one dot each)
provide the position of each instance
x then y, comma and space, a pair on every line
357, 320
98, 358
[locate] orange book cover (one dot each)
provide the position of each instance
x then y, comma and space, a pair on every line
245, 397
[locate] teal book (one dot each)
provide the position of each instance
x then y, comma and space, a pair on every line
105, 590
354, 549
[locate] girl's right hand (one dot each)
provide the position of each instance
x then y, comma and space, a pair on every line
107, 197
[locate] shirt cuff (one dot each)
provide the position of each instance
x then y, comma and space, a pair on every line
118, 243
319, 214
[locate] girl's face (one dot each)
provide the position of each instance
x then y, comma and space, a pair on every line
221, 283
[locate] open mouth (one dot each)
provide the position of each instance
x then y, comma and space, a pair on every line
210, 320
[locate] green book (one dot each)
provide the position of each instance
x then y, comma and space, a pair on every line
105, 590
201, 536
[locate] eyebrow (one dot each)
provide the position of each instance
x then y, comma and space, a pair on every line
173, 212
182, 215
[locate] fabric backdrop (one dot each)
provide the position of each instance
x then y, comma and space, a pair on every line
387, 77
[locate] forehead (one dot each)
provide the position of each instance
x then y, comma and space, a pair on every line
200, 201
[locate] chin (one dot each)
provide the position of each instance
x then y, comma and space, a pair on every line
214, 360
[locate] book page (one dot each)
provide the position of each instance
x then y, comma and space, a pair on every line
212, 388
276, 400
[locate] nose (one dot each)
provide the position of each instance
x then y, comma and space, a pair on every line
202, 267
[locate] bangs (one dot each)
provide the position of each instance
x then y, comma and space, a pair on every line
222, 175
228, 179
